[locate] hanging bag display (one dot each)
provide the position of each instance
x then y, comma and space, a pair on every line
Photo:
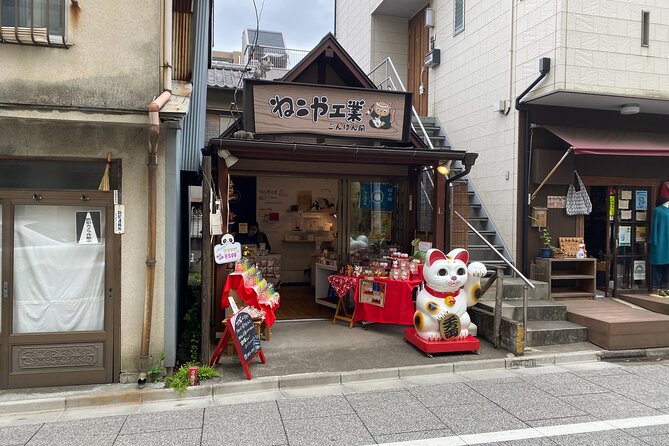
578, 201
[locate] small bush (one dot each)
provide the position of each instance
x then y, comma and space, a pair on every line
179, 381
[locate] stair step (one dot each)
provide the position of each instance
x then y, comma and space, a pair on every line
554, 333
537, 310
513, 289
429, 120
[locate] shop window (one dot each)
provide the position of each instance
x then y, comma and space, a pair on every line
373, 220
36, 22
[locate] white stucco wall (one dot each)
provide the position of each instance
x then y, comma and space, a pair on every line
354, 29
128, 143
390, 38
464, 89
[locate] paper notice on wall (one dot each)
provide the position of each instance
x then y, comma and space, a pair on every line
88, 227
556, 202
624, 236
623, 204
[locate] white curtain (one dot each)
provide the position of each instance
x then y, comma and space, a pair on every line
58, 283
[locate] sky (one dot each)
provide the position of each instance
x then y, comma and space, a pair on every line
302, 22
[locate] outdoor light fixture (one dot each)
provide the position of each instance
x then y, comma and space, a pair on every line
429, 18
229, 158
629, 109
445, 168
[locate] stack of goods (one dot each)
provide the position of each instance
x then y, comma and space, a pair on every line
253, 278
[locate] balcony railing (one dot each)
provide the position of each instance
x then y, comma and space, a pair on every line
281, 58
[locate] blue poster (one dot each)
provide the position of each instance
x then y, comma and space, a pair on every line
377, 196
641, 200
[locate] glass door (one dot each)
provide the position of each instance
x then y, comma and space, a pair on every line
627, 233
57, 312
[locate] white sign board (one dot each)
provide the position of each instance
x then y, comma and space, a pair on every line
119, 219
88, 227
228, 250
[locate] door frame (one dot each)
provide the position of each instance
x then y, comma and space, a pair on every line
419, 45
110, 335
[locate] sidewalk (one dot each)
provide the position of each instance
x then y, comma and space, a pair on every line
305, 354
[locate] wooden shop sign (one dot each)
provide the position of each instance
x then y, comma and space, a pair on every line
279, 107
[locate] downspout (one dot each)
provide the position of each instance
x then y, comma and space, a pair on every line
152, 164
544, 68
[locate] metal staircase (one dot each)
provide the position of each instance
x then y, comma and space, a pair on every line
476, 213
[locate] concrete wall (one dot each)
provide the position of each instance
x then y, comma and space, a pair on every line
128, 143
390, 38
113, 63
354, 29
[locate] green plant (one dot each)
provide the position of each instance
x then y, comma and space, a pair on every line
157, 371
179, 380
545, 236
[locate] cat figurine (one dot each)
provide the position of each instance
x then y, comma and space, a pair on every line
450, 286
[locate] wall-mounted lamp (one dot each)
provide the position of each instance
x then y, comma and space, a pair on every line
429, 18
444, 168
229, 158
629, 109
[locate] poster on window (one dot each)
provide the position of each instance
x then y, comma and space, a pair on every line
87, 225
639, 269
640, 234
625, 236
382, 225
641, 200
373, 293
377, 196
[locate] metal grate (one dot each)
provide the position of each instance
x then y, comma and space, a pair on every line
34, 22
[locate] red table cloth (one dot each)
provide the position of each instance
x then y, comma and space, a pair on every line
398, 307
342, 284
247, 294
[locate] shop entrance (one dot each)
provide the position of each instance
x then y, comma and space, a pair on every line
57, 295
617, 232
313, 227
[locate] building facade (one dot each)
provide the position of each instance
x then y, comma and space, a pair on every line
603, 55
86, 297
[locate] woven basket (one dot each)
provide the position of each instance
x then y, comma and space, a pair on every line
570, 245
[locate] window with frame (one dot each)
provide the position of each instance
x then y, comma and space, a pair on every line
458, 16
33, 22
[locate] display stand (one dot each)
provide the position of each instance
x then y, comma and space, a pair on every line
470, 343
342, 285
240, 329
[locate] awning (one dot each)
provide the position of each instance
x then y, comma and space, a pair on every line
613, 142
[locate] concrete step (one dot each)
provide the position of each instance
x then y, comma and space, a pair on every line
537, 310
513, 290
554, 333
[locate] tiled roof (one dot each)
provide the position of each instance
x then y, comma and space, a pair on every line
227, 75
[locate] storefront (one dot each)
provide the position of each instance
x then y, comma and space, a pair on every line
328, 167
622, 161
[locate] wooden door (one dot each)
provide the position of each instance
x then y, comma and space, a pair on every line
416, 74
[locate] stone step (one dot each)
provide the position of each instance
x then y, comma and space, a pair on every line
537, 310
554, 333
513, 290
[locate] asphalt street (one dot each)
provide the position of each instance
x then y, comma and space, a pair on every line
594, 403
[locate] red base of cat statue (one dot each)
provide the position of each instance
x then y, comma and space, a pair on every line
470, 343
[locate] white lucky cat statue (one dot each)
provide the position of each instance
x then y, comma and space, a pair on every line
450, 287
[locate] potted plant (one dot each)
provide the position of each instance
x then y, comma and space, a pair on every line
545, 236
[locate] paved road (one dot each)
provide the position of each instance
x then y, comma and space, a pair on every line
581, 404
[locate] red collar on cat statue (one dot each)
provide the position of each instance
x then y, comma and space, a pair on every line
443, 295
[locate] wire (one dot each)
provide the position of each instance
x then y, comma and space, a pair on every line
234, 110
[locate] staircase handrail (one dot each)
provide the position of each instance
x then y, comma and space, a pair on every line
504, 259
386, 62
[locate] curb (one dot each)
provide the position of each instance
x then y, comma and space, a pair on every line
263, 384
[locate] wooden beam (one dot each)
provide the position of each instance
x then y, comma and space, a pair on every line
207, 279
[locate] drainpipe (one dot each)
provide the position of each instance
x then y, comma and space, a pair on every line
152, 164
544, 68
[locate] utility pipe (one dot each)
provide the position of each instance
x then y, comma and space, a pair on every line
167, 46
152, 163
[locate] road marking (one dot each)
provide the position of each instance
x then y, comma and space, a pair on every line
538, 432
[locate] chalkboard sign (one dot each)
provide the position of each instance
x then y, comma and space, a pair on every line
241, 330
246, 335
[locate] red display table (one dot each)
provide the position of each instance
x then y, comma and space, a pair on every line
394, 299
247, 294
470, 343
398, 306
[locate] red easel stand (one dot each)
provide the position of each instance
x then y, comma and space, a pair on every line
221, 346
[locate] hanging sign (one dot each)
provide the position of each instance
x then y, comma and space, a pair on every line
556, 202
119, 219
228, 250
88, 227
